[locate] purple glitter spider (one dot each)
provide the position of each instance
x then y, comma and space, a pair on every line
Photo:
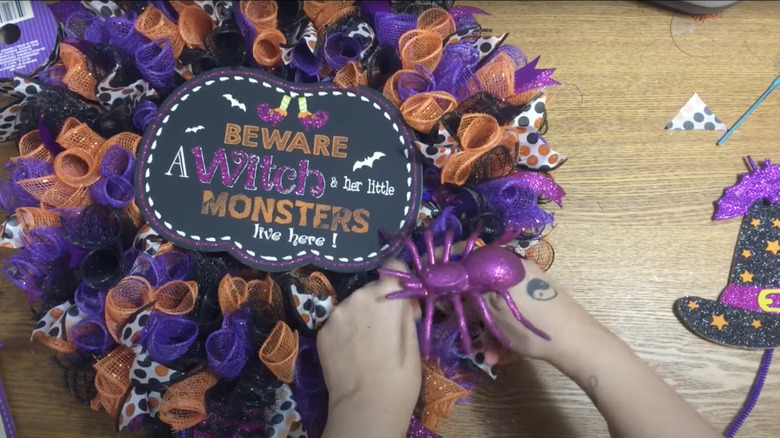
479, 271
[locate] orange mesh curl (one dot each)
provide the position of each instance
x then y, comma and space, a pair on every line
542, 254
75, 134
351, 75
184, 402
439, 396
126, 298
279, 352
266, 290
154, 25
134, 213
30, 142
112, 379
232, 293
315, 282
76, 168
180, 5
261, 13
40, 153
78, 78
176, 297
31, 218
61, 195
422, 111
266, 49
390, 89
56, 344
498, 76
437, 20
420, 47
127, 140
323, 13
194, 25
37, 187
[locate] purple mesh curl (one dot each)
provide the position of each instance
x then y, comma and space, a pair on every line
309, 391
390, 27
444, 222
62, 10
455, 72
165, 7
89, 301
47, 244
122, 33
245, 26
157, 63
52, 75
175, 265
113, 191
304, 60
170, 337
419, 81
145, 266
48, 138
118, 161
518, 205
143, 114
97, 32
91, 335
225, 353
27, 168
339, 49
78, 22
22, 270
516, 55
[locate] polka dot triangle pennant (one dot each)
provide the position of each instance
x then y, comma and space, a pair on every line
695, 115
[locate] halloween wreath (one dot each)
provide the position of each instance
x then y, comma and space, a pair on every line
182, 233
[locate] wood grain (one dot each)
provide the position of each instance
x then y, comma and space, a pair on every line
636, 232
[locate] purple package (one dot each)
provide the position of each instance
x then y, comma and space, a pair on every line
28, 36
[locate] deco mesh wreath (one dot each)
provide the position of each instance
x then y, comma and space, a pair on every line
193, 343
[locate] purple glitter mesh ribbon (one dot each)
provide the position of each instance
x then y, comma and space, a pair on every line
97, 32
113, 191
143, 114
122, 33
419, 81
145, 266
390, 27
446, 221
91, 335
22, 270
48, 138
417, 430
309, 391
52, 75
302, 58
47, 244
11, 195
516, 204
227, 349
245, 26
340, 49
455, 72
516, 55
157, 63
175, 265
752, 186
78, 22
164, 7
118, 161
62, 10
541, 184
170, 337
89, 301
530, 78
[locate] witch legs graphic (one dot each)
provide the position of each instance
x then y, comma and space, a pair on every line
275, 116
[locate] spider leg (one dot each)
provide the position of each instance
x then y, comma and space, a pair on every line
465, 338
427, 327
516, 312
429, 248
418, 265
448, 238
396, 274
406, 293
472, 240
491, 326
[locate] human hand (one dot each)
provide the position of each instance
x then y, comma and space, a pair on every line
551, 310
371, 361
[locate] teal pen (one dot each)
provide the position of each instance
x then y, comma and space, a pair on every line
728, 133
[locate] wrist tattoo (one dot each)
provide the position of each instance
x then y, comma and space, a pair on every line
540, 290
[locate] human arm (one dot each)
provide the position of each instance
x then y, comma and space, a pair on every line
371, 363
633, 399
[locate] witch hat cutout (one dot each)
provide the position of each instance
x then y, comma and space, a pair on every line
695, 115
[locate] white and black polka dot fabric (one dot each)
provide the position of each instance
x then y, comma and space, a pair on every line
695, 115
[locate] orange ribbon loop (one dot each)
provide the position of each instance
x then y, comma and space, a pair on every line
279, 352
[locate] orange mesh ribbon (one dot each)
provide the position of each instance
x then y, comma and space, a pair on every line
112, 379
176, 297
261, 13
125, 299
180, 5
420, 47
75, 134
184, 403
194, 25
31, 218
439, 396
437, 20
126, 140
480, 135
322, 13
351, 75
279, 352
76, 168
423, 110
154, 25
498, 78
31, 146
542, 254
77, 77
266, 49
134, 213
235, 291
52, 329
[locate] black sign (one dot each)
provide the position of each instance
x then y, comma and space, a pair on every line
279, 174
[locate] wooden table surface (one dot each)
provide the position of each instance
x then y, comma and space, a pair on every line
636, 230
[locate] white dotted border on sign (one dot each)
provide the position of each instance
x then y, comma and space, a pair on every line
237, 244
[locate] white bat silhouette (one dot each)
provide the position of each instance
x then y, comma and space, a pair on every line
369, 161
194, 129
234, 102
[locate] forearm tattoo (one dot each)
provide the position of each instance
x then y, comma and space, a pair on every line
540, 290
